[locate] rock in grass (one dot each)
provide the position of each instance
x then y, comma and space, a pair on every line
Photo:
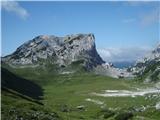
65, 108
81, 107
106, 113
158, 106
124, 116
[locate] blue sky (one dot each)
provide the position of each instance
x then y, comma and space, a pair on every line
117, 26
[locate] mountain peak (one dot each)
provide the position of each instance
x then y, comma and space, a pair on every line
45, 37
157, 50
60, 50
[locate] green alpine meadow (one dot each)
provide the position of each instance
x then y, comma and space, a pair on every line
78, 61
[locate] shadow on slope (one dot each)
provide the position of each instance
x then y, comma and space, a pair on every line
23, 86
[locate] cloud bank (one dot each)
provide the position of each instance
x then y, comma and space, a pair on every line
123, 54
145, 19
14, 7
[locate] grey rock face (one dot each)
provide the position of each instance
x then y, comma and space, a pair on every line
109, 70
59, 50
150, 65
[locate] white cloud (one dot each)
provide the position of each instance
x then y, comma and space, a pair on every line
123, 54
151, 17
145, 19
148, 17
129, 20
137, 3
13, 6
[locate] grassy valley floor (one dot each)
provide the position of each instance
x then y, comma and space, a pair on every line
70, 97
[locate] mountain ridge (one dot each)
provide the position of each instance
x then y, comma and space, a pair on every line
59, 50
149, 66
71, 52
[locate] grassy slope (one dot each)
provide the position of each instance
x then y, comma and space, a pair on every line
15, 107
63, 93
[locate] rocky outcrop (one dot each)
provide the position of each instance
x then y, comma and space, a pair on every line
148, 66
56, 50
108, 69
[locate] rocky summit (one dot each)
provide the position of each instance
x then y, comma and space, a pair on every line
58, 50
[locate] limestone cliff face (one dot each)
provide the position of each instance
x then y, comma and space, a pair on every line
58, 50
148, 66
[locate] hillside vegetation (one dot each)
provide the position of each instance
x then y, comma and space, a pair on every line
66, 97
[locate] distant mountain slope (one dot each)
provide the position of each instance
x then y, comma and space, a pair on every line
148, 67
61, 51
